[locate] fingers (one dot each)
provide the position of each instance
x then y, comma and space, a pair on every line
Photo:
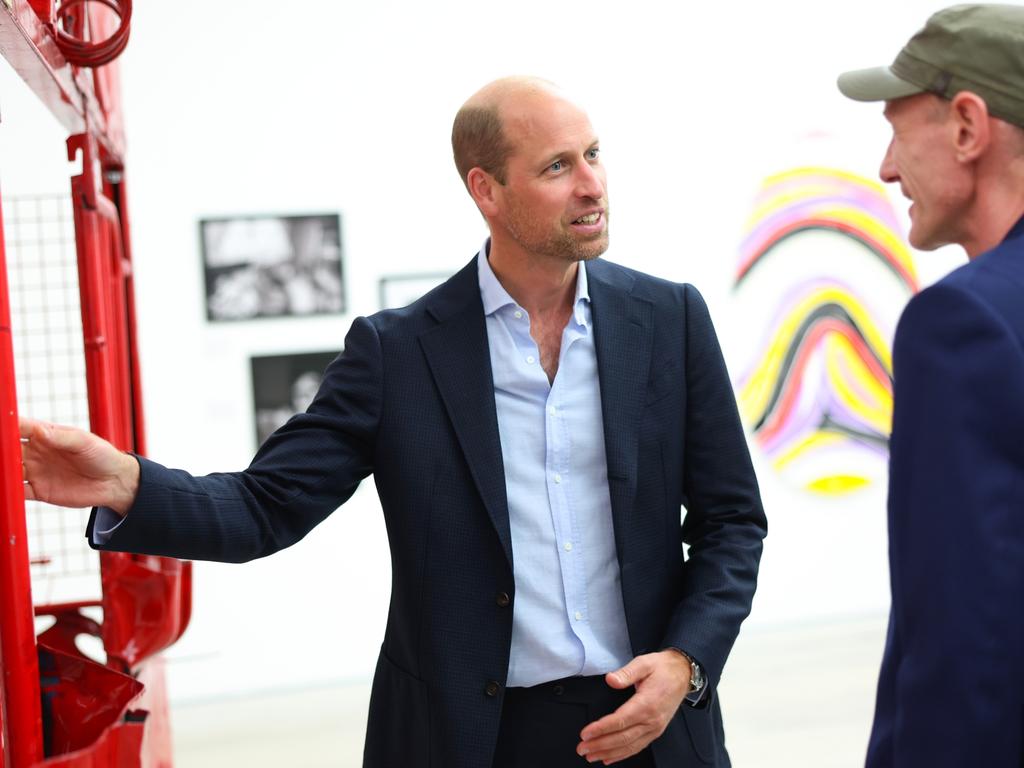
39, 438
30, 494
34, 433
26, 427
34, 429
627, 716
37, 457
618, 745
59, 437
24, 472
629, 729
631, 674
25, 482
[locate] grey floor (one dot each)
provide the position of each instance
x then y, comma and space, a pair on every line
795, 696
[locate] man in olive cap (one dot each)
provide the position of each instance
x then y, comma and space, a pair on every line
951, 691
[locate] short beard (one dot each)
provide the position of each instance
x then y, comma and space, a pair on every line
556, 245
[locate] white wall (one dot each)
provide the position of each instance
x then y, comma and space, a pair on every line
265, 107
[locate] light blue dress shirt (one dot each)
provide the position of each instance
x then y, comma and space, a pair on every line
568, 617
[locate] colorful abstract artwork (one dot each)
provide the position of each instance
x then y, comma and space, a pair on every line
823, 275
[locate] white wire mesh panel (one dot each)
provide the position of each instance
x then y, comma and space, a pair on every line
49, 372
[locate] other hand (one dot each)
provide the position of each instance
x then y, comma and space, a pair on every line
74, 468
662, 681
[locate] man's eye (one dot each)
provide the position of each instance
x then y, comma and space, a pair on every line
593, 154
555, 166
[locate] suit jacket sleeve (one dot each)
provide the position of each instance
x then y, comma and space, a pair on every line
302, 473
949, 693
725, 521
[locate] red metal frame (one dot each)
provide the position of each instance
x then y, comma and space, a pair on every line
112, 715
136, 588
22, 718
69, 92
101, 276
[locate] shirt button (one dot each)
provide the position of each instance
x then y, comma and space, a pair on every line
503, 600
568, 546
552, 410
558, 478
519, 315
579, 616
492, 688
531, 359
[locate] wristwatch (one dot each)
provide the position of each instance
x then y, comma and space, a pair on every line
697, 679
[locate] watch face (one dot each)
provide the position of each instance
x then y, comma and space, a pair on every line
696, 677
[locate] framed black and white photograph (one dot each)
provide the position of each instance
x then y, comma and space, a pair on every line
402, 290
272, 266
283, 385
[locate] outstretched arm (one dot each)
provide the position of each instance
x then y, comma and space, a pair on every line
301, 474
74, 468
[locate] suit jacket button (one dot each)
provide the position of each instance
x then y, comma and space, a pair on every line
503, 600
492, 688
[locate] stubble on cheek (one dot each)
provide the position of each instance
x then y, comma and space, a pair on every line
557, 240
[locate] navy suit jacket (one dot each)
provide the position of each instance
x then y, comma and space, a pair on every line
411, 400
951, 691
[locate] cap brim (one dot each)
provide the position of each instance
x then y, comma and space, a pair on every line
875, 84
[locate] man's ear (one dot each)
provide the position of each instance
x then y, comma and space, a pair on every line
973, 126
484, 189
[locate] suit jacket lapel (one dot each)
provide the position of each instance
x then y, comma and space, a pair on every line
458, 354
622, 335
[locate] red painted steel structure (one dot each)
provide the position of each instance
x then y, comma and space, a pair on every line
84, 714
22, 718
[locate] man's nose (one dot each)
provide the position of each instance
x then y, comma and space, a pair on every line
888, 171
589, 181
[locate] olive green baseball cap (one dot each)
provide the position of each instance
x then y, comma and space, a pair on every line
976, 48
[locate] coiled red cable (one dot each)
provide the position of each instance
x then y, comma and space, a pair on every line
88, 53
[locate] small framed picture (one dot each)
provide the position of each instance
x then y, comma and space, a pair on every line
283, 385
402, 290
272, 266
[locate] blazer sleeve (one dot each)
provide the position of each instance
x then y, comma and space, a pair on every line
725, 521
953, 660
301, 474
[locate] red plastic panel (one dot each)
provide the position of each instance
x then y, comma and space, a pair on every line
85, 715
147, 602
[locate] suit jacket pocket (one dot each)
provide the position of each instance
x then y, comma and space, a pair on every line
700, 724
398, 728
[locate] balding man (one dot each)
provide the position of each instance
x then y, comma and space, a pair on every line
951, 691
534, 426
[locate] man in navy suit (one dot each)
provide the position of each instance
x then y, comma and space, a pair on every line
951, 691
534, 427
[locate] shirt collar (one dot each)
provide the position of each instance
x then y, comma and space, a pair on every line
494, 295
492, 292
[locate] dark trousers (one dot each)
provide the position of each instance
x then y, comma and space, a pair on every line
540, 726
